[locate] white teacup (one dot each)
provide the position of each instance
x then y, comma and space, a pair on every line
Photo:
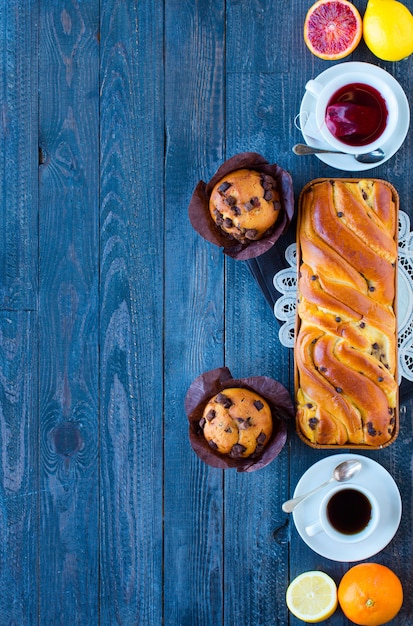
348, 513
323, 94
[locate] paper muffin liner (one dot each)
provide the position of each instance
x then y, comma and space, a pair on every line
203, 223
208, 385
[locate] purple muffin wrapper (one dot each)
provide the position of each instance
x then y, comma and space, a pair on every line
203, 223
209, 384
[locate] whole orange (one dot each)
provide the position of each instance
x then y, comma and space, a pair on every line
370, 594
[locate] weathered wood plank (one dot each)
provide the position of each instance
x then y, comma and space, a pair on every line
18, 154
259, 121
131, 332
261, 37
256, 122
19, 487
68, 312
194, 314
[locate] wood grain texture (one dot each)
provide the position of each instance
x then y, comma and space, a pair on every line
259, 36
252, 501
131, 306
18, 154
68, 312
258, 121
194, 313
111, 304
19, 487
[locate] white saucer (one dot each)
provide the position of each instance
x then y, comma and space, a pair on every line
358, 70
373, 476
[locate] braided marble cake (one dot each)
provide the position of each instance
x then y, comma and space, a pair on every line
346, 337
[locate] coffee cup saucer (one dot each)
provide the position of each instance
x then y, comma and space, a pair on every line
372, 476
356, 72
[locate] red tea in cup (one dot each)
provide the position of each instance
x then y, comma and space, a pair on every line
356, 114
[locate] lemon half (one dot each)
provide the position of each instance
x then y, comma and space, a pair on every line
312, 596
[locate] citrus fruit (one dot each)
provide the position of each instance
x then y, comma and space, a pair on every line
312, 597
388, 29
370, 594
332, 28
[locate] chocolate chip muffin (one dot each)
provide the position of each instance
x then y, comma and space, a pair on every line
237, 422
245, 204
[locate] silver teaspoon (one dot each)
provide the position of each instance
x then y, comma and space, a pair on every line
369, 157
344, 471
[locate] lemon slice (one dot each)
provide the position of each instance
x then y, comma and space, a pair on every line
312, 597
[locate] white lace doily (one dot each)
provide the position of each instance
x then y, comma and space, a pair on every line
285, 282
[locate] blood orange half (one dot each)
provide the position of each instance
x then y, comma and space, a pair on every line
332, 29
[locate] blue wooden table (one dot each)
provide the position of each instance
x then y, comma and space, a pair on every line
111, 304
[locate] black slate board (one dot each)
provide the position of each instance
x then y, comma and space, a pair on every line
264, 267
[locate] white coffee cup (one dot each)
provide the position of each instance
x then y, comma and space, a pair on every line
348, 513
323, 92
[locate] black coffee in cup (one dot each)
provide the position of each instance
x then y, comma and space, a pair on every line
349, 511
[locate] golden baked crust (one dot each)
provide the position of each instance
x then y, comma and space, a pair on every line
237, 422
245, 204
346, 344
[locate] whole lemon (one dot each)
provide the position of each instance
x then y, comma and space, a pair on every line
388, 29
